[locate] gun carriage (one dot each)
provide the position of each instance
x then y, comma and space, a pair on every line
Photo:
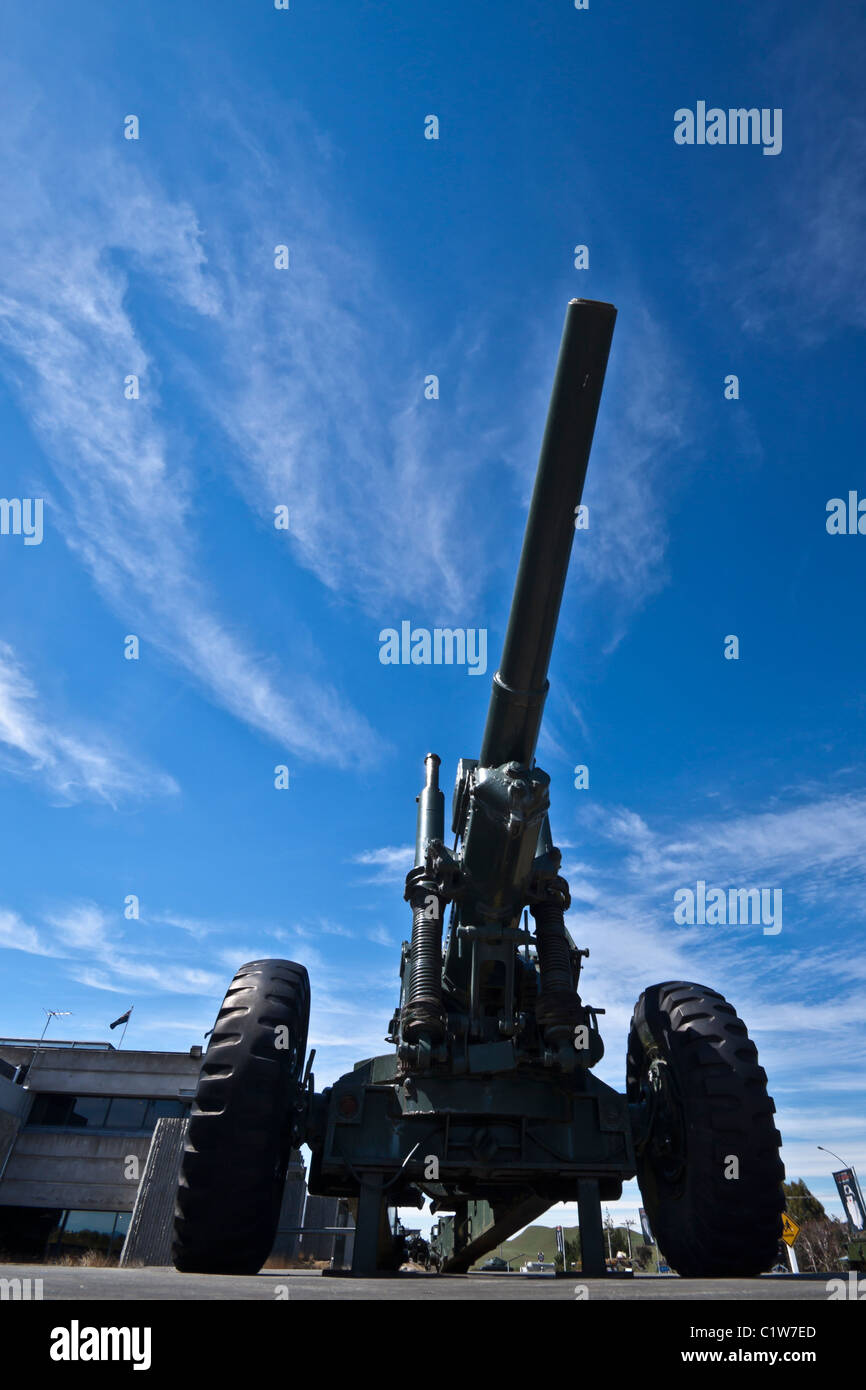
486, 1103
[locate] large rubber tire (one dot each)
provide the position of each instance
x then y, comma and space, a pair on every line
240, 1132
713, 1105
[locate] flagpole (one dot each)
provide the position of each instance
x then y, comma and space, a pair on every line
123, 1034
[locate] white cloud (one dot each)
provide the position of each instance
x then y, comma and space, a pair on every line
321, 389
128, 509
73, 766
322, 927
801, 996
195, 926
799, 270
624, 548
312, 377
90, 946
83, 927
16, 935
392, 863
95, 979
820, 844
621, 556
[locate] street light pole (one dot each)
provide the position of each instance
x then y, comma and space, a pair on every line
832, 1155
857, 1190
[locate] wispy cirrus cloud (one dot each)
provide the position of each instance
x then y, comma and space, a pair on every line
93, 947
103, 957
18, 935
73, 764
620, 557
313, 383
623, 551
322, 927
196, 927
390, 864
321, 384
127, 487
799, 268
801, 994
84, 927
125, 975
819, 844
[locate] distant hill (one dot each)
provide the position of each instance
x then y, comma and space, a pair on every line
535, 1238
529, 1242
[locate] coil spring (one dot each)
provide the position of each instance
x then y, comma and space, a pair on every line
558, 1004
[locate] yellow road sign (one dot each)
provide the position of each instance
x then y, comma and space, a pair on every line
790, 1229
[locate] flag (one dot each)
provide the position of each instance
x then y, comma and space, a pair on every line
124, 1018
852, 1198
645, 1226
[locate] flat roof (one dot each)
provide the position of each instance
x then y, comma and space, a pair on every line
56, 1042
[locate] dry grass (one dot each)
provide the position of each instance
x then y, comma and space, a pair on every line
87, 1259
295, 1262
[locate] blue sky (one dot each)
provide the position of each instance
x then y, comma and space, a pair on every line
305, 388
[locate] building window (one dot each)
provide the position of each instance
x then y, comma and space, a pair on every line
79, 1231
88, 1110
51, 1110
166, 1110
24, 1232
126, 1114
102, 1112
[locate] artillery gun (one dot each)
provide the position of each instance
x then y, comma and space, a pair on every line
487, 1104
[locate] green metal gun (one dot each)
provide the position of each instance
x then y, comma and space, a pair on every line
487, 1105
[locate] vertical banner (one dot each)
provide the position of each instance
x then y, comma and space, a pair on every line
852, 1198
645, 1226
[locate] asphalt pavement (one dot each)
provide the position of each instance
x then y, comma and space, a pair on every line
63, 1284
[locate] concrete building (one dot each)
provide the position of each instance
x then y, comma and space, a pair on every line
76, 1120
76, 1124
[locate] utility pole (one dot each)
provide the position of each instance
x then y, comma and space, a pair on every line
628, 1226
608, 1226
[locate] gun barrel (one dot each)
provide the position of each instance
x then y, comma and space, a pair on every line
520, 685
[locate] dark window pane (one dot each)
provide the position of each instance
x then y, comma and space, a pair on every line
164, 1110
101, 1222
87, 1230
125, 1113
89, 1110
51, 1110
